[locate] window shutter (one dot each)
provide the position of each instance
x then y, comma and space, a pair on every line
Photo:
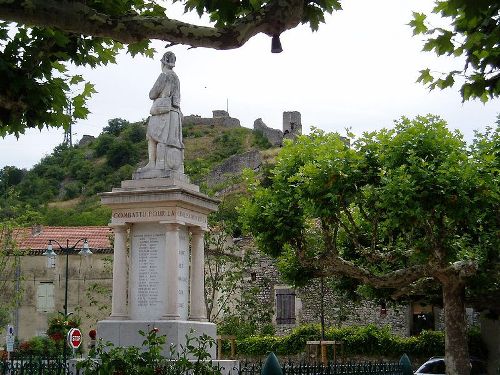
285, 306
45, 297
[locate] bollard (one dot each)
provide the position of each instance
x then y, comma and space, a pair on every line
271, 366
404, 361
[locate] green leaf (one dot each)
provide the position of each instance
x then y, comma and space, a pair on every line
58, 66
418, 23
425, 76
75, 79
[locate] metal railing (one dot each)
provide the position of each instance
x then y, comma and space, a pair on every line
34, 366
38, 366
328, 369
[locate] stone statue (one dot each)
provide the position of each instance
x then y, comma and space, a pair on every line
164, 132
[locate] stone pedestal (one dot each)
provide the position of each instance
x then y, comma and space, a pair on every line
126, 332
158, 260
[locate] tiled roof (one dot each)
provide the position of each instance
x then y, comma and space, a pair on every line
36, 239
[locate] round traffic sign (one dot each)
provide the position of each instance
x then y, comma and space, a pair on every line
74, 338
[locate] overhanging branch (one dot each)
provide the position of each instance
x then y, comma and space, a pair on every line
74, 16
395, 279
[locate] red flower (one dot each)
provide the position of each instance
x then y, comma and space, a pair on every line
24, 346
57, 336
93, 334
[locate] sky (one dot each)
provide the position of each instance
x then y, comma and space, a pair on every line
358, 71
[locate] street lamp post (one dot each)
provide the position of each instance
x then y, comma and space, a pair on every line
50, 254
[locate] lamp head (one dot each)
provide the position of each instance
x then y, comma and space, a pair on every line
85, 249
50, 251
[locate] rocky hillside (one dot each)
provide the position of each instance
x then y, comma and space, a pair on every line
62, 188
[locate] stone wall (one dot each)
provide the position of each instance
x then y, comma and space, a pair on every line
308, 299
292, 124
274, 136
343, 312
86, 139
220, 117
233, 166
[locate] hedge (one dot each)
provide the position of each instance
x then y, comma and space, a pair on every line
365, 340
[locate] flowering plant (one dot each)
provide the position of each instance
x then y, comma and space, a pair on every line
59, 325
192, 358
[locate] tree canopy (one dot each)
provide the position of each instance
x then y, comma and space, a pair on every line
474, 32
39, 39
36, 89
397, 210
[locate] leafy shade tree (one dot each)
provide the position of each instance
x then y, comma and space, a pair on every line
398, 209
9, 263
230, 299
474, 33
48, 35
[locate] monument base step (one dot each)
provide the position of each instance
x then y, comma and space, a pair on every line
126, 332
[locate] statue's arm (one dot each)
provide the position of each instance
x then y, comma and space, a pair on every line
158, 87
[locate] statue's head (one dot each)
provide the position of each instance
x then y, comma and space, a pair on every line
168, 59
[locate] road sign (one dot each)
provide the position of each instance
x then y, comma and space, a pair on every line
10, 338
74, 338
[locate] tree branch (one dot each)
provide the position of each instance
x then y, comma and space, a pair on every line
72, 16
395, 279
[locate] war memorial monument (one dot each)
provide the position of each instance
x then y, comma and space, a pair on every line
158, 220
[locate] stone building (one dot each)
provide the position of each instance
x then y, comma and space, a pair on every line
42, 284
295, 306
90, 282
292, 127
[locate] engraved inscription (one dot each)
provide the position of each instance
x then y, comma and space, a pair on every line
147, 275
183, 275
147, 262
160, 214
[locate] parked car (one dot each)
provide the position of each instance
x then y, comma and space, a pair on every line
436, 366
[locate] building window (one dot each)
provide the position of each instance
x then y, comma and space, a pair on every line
285, 306
45, 297
422, 317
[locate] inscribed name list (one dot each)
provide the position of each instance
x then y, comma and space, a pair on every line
147, 284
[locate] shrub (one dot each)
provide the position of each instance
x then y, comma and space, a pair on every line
365, 340
107, 359
260, 141
103, 143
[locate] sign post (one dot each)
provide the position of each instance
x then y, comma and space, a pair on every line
10, 338
74, 339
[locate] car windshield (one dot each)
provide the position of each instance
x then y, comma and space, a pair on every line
437, 366
433, 367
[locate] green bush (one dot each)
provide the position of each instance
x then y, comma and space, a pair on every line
260, 141
103, 143
228, 143
365, 340
39, 346
234, 325
193, 358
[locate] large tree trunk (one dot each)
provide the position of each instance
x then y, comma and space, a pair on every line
456, 347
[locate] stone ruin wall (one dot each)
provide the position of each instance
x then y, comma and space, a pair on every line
233, 166
219, 117
292, 125
274, 136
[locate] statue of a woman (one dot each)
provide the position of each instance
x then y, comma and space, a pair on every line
164, 132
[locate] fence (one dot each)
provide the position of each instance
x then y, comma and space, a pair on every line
328, 369
34, 366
